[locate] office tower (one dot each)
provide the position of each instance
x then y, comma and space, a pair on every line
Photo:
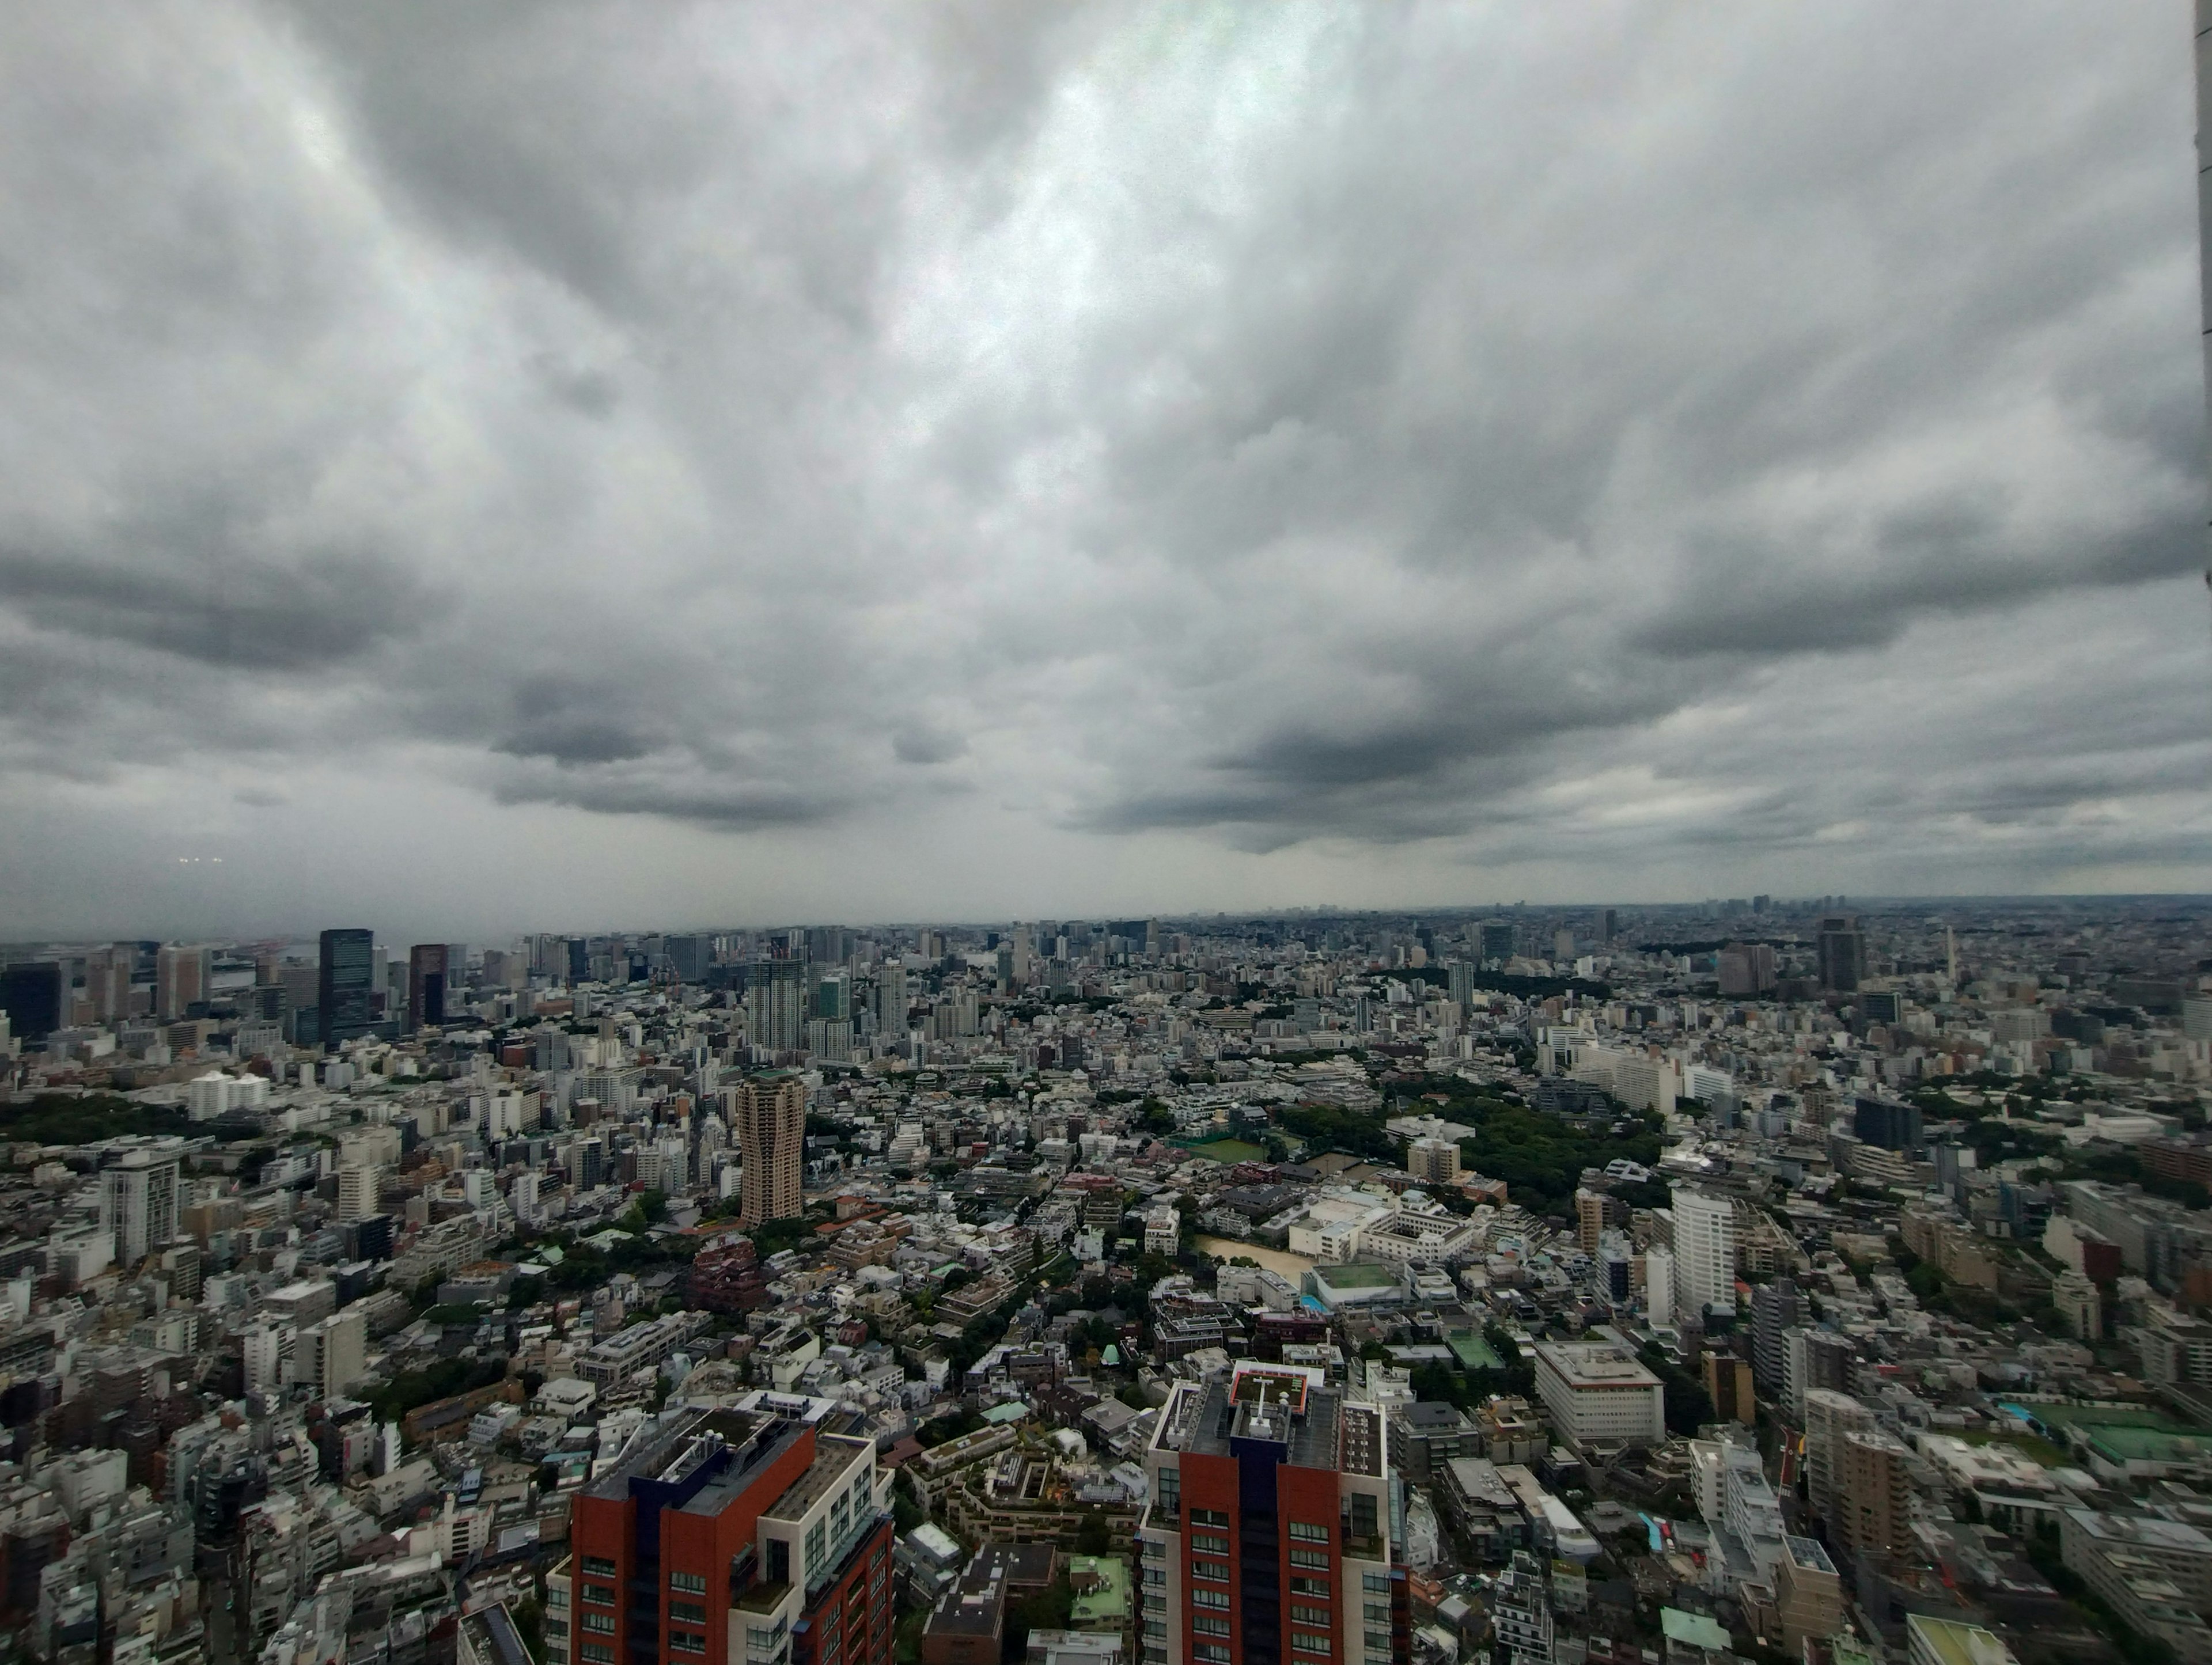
359, 1188
1270, 1526
107, 983
1748, 970
426, 985
31, 997
1704, 1252
833, 996
1728, 1385
1841, 951
768, 1113
181, 977
1829, 1416
1498, 942
580, 960
690, 957
729, 1518
330, 1356
1520, 1614
1775, 1309
1659, 1286
1562, 944
1893, 1126
138, 1203
1433, 1161
344, 986
1873, 1493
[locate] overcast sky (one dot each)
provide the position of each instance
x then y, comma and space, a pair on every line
467, 468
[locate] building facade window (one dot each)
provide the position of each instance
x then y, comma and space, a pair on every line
691, 1583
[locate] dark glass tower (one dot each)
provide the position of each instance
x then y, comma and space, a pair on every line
345, 992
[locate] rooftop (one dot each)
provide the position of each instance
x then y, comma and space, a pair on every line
1955, 1644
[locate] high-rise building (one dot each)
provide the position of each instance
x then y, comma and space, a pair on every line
1594, 1212
1775, 1309
1873, 1493
1268, 1538
767, 1114
1829, 1417
359, 1187
1892, 1124
138, 1203
1814, 1359
345, 986
181, 977
1498, 941
1520, 1614
833, 996
329, 1356
1705, 1251
776, 999
1728, 1385
1808, 1596
267, 1350
426, 985
32, 995
1659, 1285
730, 1519
1748, 970
891, 1000
1840, 949
690, 957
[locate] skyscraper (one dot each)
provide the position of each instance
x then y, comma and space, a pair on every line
344, 986
1841, 949
892, 997
426, 984
776, 999
768, 1113
1704, 1252
31, 994
181, 975
138, 1203
1267, 1540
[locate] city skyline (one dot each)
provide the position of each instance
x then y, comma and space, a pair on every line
1145, 461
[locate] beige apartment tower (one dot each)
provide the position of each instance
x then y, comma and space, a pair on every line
767, 1115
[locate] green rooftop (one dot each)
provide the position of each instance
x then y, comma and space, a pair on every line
1357, 1274
1474, 1352
1101, 1587
1695, 1630
1951, 1643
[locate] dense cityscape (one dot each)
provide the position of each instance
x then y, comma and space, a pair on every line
1818, 1280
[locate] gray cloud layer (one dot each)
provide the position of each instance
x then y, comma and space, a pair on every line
1583, 442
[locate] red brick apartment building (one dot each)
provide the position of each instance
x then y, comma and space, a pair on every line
1267, 1538
739, 1537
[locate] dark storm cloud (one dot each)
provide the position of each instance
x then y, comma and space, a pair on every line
1517, 428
